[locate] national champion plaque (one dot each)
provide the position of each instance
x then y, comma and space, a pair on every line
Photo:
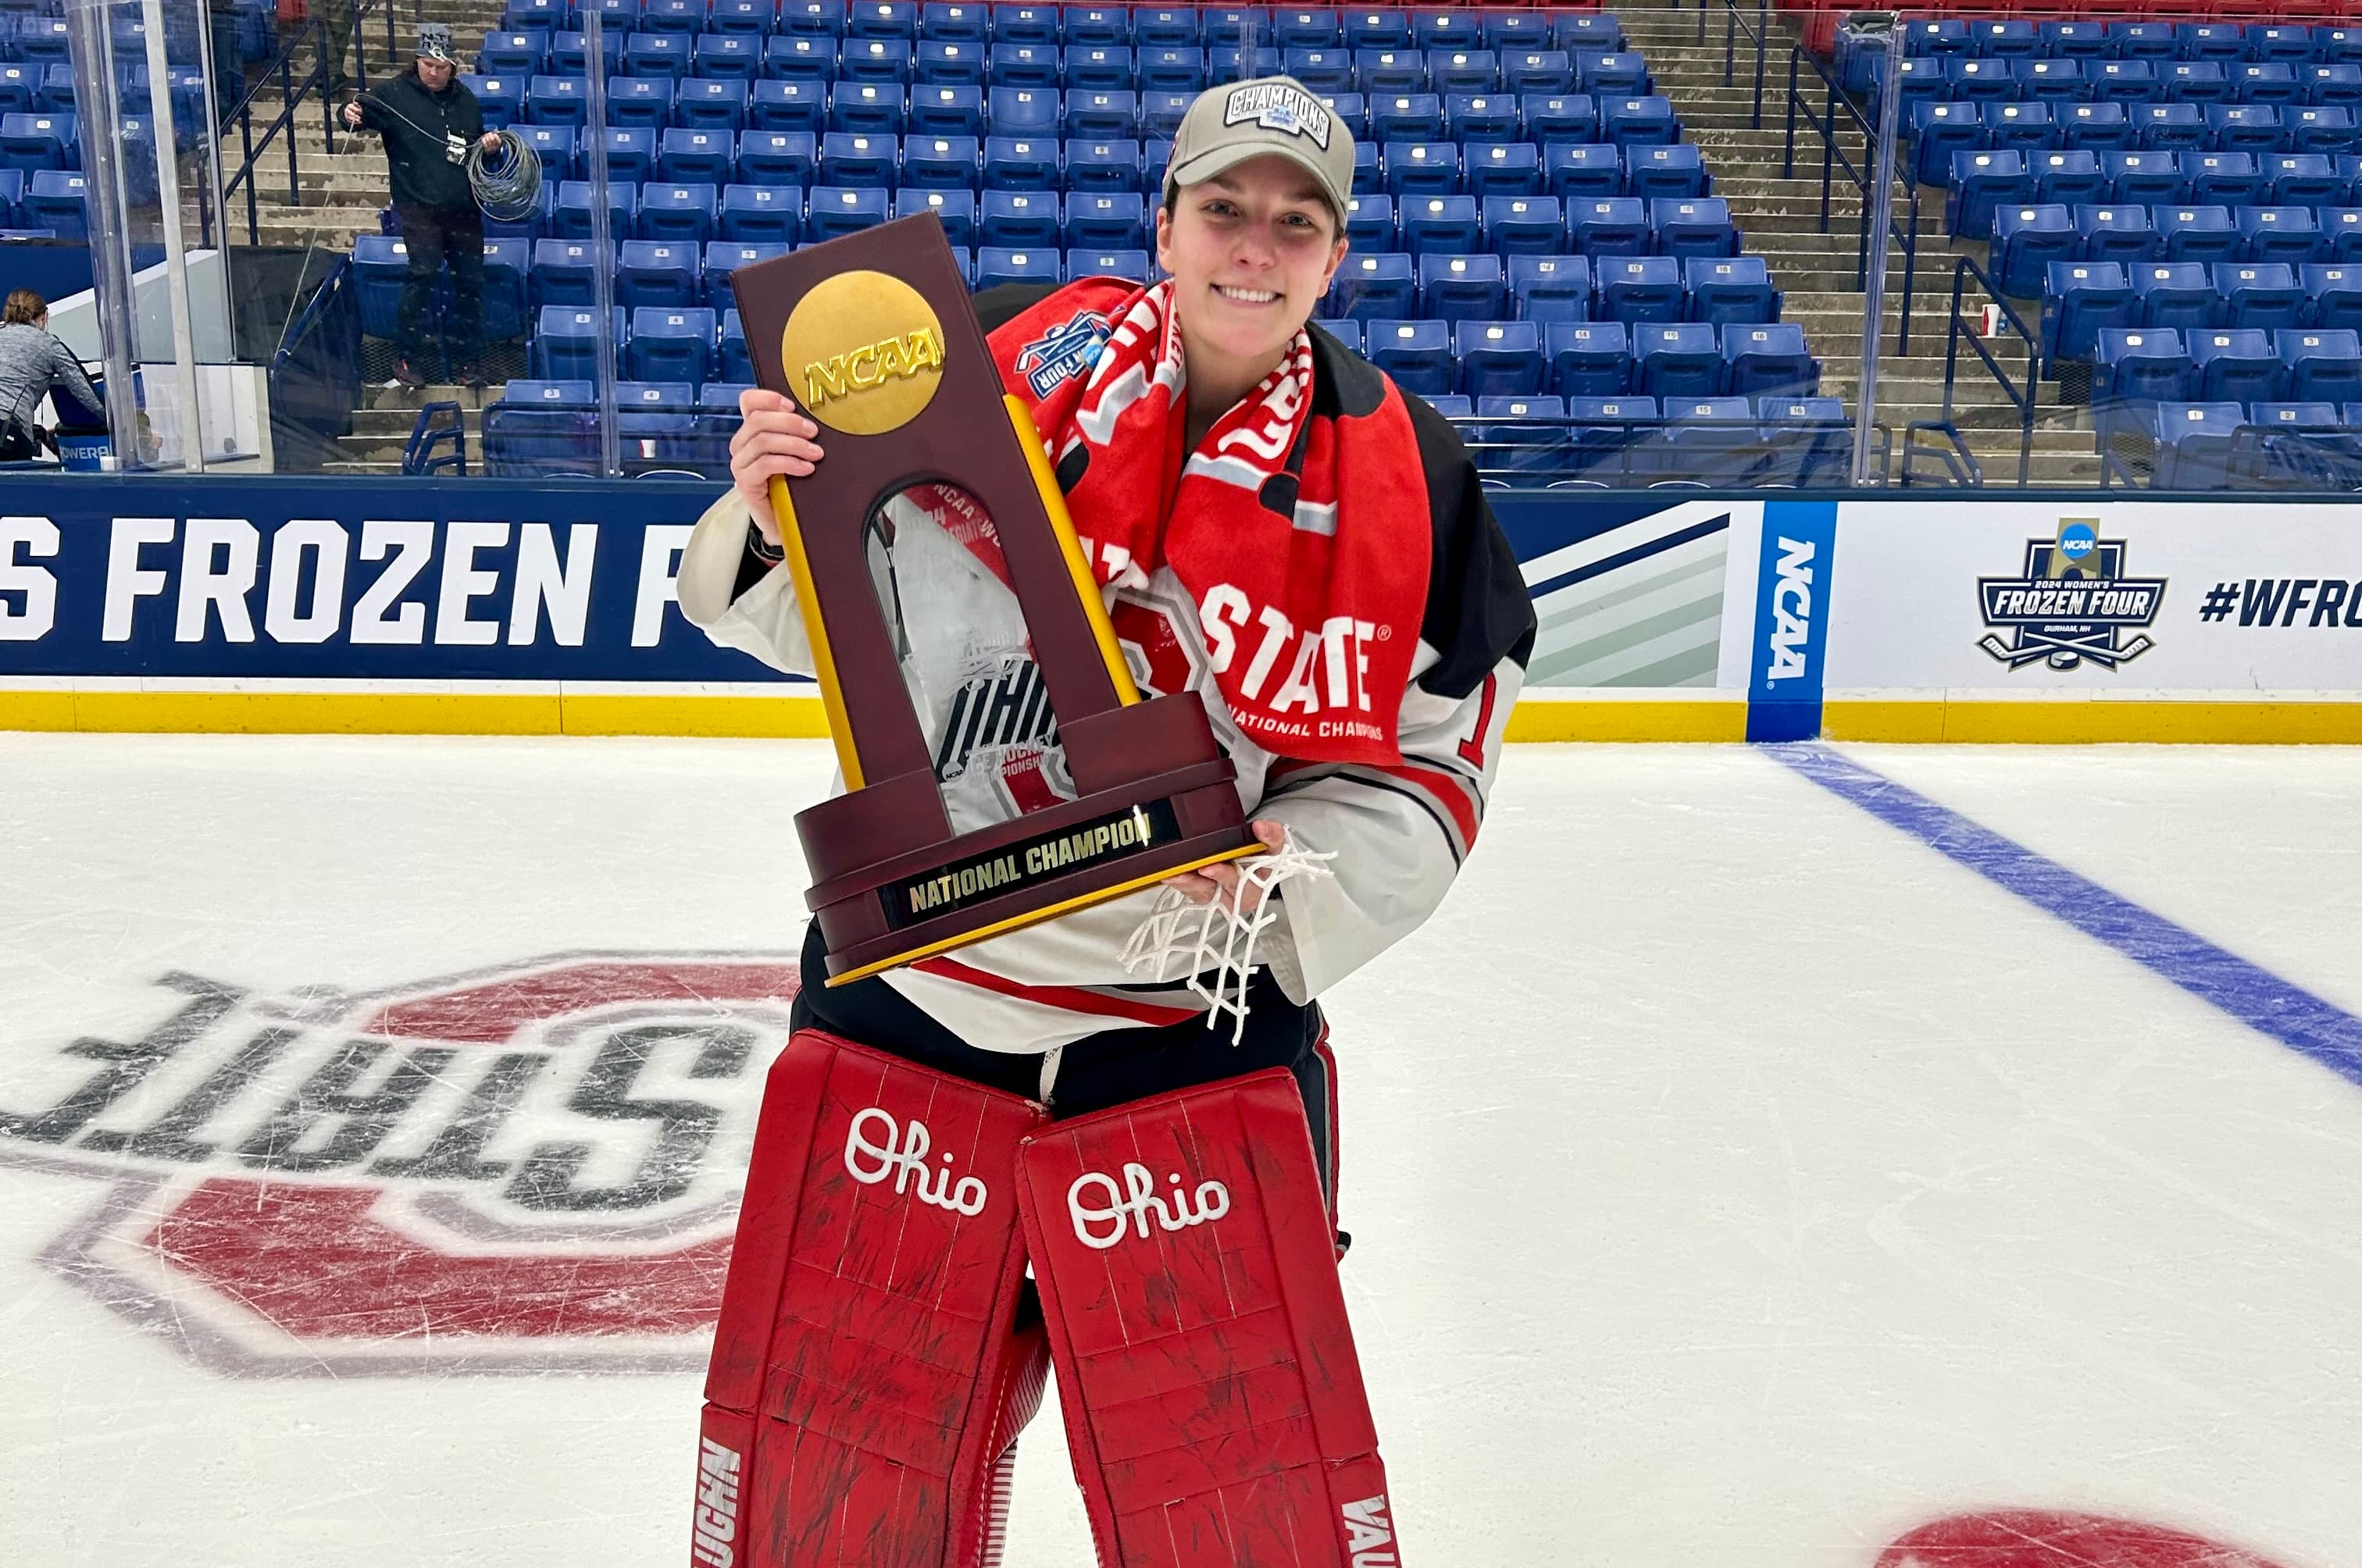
993, 777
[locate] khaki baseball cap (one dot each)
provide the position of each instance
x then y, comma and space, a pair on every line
1268, 115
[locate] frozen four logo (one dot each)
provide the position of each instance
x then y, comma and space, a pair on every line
2073, 604
1130, 1206
876, 1146
1276, 106
1062, 352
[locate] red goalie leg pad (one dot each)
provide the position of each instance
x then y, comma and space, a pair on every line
1188, 1277
860, 1366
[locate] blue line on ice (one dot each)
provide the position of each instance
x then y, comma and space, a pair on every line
2255, 996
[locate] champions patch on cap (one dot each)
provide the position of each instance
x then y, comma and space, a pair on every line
1279, 106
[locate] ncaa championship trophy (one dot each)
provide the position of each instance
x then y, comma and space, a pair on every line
873, 337
880, 1345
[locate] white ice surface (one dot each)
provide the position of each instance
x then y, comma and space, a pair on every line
1734, 1180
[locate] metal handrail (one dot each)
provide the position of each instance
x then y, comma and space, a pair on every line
1758, 33
1638, 443
1960, 464
1963, 270
293, 90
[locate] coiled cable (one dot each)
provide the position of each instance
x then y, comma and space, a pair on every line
506, 183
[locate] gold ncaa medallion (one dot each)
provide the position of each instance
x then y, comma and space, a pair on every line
863, 352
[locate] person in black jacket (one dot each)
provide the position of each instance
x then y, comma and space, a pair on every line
430, 122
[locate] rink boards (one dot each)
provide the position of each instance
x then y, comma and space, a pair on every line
499, 607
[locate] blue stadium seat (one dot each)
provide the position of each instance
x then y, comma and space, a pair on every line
1110, 25
1615, 225
571, 217
1689, 226
2327, 82
2098, 126
2338, 43
724, 258
2079, 299
657, 272
507, 265
1678, 359
1407, 116
2322, 362
2138, 367
1729, 290
2194, 81
1420, 169
1497, 358
2243, 127
2196, 233
1553, 119
1456, 287
647, 101
1589, 359
948, 63
834, 211
727, 57
1503, 168
1451, 71
648, 57
566, 341
2335, 293
1317, 28
948, 111
1973, 81
887, 62
1374, 288
1020, 163
1370, 223
769, 214
1482, 117
2223, 178
1108, 115
873, 108
1033, 66
669, 344
1769, 359
2070, 178
2266, 81
685, 214
555, 145
747, 18
799, 57
2341, 233
1808, 441
2278, 233
1637, 290
1550, 288
1938, 133
1105, 219
1981, 182
850, 158
380, 267
542, 427
1179, 69
1672, 171
1377, 30
12, 190
522, 53
2144, 40
2026, 240
2177, 295
2172, 127
2211, 41
631, 155
1533, 443
1572, 29
954, 208
1574, 170
1416, 353
2266, 42
57, 199
2194, 442
1324, 71
1021, 220
502, 99
1611, 73
1365, 170
1524, 225
2304, 179
2023, 127
2145, 178
1104, 165
1610, 435
996, 265
33, 142
1097, 67
1440, 224
2238, 363
688, 158
1347, 333
2054, 82
685, 18
1133, 265
821, 18
2260, 293
564, 272
1640, 122
2011, 39
788, 106
1377, 71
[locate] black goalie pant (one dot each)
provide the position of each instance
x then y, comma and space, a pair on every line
1099, 1070
435, 237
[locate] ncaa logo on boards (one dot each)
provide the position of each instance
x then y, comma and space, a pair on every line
530, 1167
2073, 605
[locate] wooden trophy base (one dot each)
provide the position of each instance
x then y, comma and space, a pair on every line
890, 886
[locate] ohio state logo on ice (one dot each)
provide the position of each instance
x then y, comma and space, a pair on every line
531, 1166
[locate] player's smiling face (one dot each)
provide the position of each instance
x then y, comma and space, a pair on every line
1251, 251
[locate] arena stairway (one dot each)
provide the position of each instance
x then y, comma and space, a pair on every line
1781, 218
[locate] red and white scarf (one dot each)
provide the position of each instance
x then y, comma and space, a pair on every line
1304, 540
